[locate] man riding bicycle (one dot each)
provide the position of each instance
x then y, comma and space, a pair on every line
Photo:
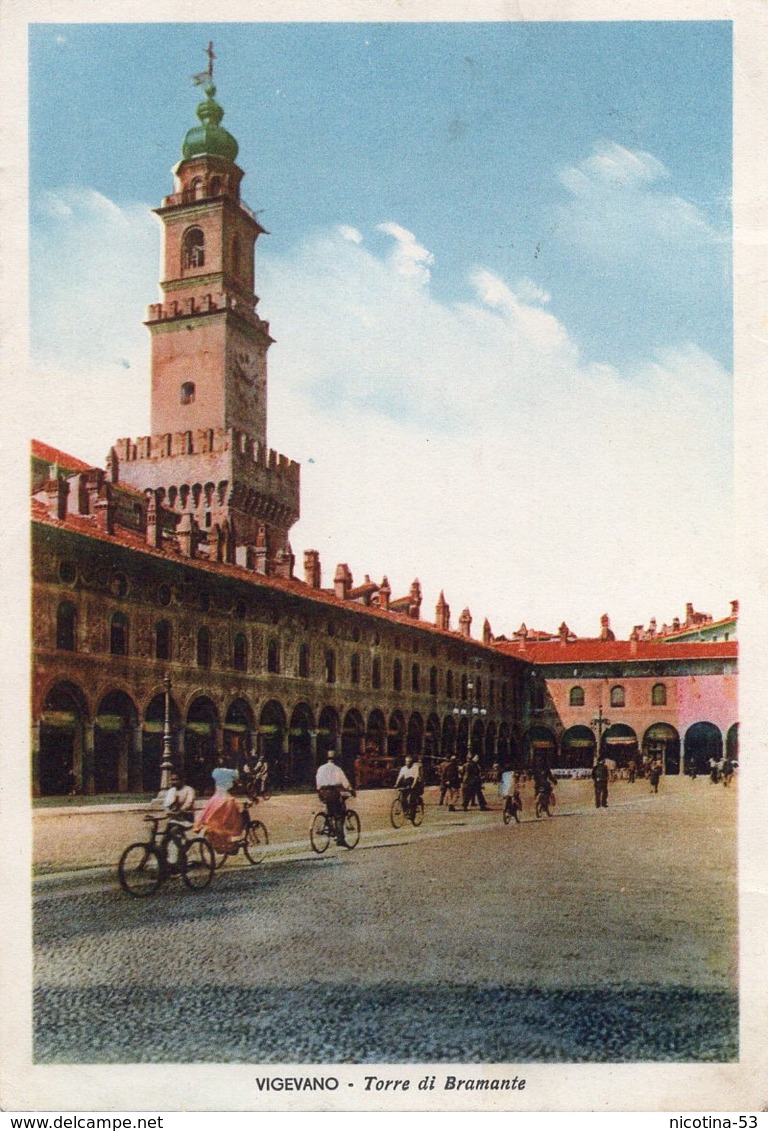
410, 785
333, 788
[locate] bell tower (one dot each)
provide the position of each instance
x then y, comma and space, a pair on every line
209, 347
207, 456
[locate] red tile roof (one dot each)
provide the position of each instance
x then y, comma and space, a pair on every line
53, 455
704, 626
593, 650
86, 525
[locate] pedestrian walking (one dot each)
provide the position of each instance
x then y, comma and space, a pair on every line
450, 782
513, 801
600, 779
654, 776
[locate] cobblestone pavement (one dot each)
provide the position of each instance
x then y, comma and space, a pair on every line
594, 936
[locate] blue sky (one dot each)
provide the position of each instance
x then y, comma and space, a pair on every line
498, 274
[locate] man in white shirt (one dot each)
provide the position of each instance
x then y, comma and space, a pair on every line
332, 787
179, 800
409, 782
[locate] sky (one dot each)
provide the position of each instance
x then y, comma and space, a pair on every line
498, 276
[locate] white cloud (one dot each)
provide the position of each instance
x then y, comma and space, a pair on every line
620, 209
529, 291
465, 443
408, 257
349, 233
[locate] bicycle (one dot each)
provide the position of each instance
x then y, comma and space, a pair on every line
544, 799
144, 865
253, 840
512, 806
400, 809
325, 826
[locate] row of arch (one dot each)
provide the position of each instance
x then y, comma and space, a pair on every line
577, 746
119, 748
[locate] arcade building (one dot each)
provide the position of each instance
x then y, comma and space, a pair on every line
165, 586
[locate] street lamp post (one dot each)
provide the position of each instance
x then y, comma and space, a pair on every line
166, 766
599, 724
469, 709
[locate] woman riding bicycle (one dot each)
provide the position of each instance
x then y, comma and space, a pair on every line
222, 817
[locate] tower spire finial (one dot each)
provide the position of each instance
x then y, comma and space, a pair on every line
205, 78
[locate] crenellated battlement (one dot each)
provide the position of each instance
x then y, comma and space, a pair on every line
243, 449
193, 306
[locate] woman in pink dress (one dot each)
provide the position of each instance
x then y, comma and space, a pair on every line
221, 817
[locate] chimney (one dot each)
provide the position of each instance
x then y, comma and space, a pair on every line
385, 592
734, 609
57, 493
312, 571
688, 613
676, 624
465, 623
414, 604
563, 632
522, 635
487, 634
633, 641
605, 628
342, 581
443, 613
112, 467
284, 560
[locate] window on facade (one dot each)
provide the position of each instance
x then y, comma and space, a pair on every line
415, 677
464, 686
491, 693
162, 640
66, 627
118, 635
659, 695
197, 188
397, 675
330, 666
304, 662
193, 248
376, 672
354, 669
577, 697
240, 653
236, 256
449, 684
478, 690
617, 697
203, 648
273, 657
214, 188
433, 680
188, 392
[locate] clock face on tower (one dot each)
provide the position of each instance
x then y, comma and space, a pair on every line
244, 368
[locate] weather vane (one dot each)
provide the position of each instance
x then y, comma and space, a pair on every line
206, 76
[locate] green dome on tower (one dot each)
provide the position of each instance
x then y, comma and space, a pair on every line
209, 139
